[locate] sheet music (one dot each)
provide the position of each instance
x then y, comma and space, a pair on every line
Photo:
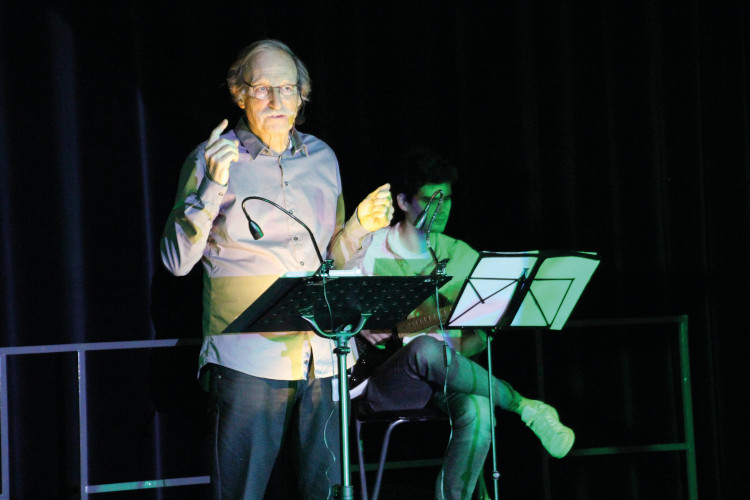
557, 281
489, 289
556, 288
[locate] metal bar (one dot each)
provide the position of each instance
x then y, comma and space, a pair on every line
546, 475
402, 464
656, 320
96, 346
616, 450
4, 444
142, 485
83, 429
687, 413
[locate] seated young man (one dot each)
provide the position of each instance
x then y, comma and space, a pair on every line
423, 372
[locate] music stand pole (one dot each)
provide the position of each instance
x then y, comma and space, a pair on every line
342, 349
495, 471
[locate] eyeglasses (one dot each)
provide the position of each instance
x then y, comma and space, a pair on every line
263, 92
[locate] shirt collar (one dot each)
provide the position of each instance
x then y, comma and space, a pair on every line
255, 146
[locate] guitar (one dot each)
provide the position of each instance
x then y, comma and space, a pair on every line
371, 356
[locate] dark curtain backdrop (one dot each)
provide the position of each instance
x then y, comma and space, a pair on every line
616, 127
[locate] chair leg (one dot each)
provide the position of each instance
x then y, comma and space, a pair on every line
383, 452
360, 457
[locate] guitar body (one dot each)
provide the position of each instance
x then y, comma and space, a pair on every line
370, 356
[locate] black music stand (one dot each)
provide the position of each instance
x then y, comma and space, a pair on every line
505, 290
303, 301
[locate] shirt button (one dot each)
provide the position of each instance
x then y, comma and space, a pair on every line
295, 238
302, 264
286, 183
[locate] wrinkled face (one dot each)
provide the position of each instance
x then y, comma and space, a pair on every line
414, 207
274, 115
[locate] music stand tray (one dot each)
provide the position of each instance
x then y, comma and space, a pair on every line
388, 300
523, 289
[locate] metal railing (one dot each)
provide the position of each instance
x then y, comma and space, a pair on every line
687, 445
81, 349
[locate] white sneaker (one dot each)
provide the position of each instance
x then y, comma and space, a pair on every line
544, 421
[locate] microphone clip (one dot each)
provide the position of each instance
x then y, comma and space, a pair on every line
324, 270
440, 267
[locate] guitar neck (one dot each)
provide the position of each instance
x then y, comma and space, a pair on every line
370, 358
419, 323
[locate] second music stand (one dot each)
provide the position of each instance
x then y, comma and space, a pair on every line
505, 290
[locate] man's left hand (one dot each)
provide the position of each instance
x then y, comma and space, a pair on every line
376, 210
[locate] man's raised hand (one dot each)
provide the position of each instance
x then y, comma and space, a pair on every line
376, 210
219, 154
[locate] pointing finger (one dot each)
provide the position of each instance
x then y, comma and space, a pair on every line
215, 133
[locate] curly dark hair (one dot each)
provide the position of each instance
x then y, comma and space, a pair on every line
417, 167
420, 166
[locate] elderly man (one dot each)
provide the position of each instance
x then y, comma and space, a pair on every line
417, 374
265, 386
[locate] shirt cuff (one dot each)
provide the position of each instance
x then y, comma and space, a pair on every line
354, 228
210, 192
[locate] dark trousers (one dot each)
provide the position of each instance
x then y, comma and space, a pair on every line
252, 417
415, 376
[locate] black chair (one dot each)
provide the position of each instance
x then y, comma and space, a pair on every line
393, 419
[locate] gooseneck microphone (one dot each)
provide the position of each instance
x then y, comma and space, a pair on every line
422, 217
419, 224
257, 232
